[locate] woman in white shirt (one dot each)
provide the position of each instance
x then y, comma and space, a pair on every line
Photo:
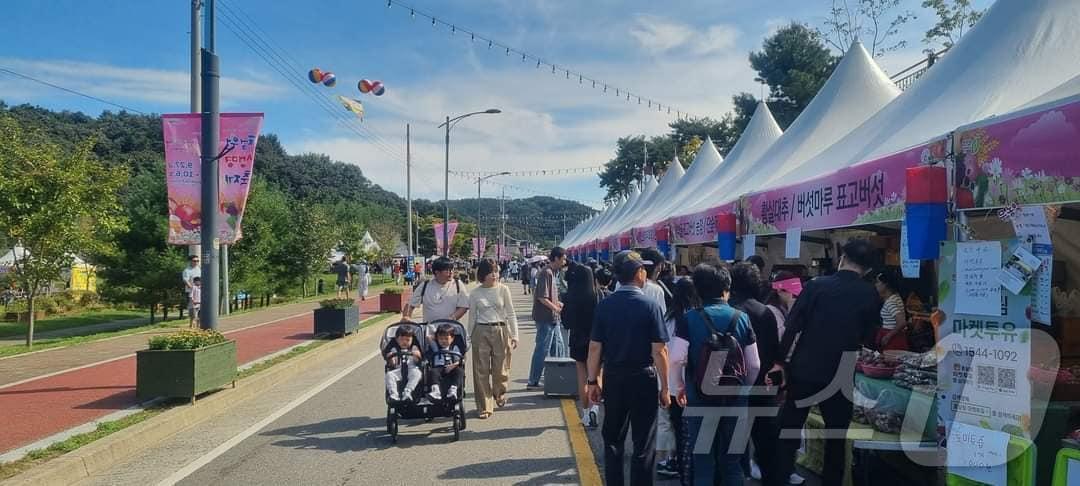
494, 335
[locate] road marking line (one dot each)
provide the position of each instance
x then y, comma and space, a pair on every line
50, 375
252, 430
588, 472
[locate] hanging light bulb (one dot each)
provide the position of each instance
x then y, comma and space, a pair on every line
472, 37
412, 14
433, 21
489, 44
537, 64
453, 29
389, 3
552, 69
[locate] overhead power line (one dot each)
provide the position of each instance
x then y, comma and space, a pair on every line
68, 90
531, 173
541, 64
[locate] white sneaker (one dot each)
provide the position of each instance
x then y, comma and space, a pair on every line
407, 395
755, 471
434, 394
593, 415
394, 396
796, 479
451, 393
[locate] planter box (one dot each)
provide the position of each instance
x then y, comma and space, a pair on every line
337, 322
184, 373
391, 302
24, 317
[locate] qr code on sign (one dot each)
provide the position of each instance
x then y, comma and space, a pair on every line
986, 375
1007, 378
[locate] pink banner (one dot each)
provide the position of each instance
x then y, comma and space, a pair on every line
479, 245
645, 237
698, 228
1028, 158
183, 138
439, 235
870, 192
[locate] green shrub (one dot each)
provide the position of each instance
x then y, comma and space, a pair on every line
187, 339
88, 298
336, 303
392, 290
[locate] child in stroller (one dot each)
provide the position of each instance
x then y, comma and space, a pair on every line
402, 353
446, 373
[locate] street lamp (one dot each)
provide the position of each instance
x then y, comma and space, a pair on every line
479, 251
449, 123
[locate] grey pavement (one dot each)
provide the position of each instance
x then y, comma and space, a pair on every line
54, 360
81, 330
337, 435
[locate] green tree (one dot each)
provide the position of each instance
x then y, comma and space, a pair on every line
722, 132
55, 203
955, 17
308, 243
258, 260
629, 165
143, 268
795, 63
874, 22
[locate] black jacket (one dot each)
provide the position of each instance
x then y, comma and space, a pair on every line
764, 323
834, 314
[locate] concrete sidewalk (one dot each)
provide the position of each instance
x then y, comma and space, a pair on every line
48, 392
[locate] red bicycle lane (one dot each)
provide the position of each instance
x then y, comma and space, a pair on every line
40, 408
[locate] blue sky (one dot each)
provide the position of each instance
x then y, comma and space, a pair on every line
690, 54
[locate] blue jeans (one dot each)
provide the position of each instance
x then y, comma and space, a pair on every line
718, 466
549, 342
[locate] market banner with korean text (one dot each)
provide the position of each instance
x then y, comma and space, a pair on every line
700, 227
1028, 158
478, 245
183, 152
645, 237
869, 192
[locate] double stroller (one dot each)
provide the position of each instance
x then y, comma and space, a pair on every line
421, 406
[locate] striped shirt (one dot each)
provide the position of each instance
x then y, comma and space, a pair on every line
892, 306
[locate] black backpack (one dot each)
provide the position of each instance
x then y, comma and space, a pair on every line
721, 366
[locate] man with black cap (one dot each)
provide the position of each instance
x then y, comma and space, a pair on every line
628, 335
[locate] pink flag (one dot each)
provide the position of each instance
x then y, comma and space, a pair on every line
439, 235
479, 245
183, 139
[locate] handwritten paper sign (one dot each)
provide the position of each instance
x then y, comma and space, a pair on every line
978, 264
792, 242
1020, 268
909, 268
749, 243
978, 454
1031, 221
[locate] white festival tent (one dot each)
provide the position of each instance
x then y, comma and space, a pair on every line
759, 135
1062, 91
573, 237
697, 178
856, 90
616, 213
667, 189
616, 225
1018, 49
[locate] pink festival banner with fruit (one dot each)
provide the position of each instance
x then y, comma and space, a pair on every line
1030, 157
700, 227
183, 152
866, 193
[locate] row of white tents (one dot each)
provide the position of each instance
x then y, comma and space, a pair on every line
1021, 53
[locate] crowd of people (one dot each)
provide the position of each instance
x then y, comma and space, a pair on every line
670, 352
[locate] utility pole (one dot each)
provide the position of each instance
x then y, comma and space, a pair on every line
408, 187
211, 123
196, 70
446, 195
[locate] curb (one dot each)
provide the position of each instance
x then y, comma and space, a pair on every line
588, 471
102, 454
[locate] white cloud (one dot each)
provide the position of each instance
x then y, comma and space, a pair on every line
126, 84
658, 36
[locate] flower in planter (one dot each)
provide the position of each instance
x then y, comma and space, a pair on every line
187, 339
336, 304
392, 291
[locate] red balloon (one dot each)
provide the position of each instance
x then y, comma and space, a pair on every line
365, 86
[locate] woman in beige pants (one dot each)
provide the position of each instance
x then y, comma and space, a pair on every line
494, 336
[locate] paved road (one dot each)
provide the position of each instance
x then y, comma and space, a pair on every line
328, 427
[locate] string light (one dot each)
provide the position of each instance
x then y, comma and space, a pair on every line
524, 54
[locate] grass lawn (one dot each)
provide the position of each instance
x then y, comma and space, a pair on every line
8, 329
